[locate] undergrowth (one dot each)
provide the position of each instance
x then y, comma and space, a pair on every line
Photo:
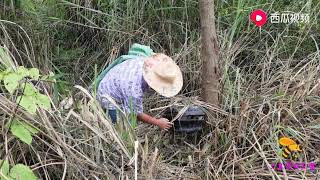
269, 77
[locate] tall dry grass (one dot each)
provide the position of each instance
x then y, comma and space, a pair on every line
270, 89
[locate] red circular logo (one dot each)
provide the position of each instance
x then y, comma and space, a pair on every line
259, 17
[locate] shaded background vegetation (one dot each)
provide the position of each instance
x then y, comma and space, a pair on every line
264, 72
72, 37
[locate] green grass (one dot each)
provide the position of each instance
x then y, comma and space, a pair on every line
269, 79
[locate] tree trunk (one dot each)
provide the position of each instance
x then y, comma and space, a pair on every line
209, 53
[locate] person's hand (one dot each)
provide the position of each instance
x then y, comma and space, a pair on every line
164, 124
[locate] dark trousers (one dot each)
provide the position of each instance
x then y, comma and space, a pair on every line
113, 115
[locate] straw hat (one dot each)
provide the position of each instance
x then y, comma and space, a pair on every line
163, 75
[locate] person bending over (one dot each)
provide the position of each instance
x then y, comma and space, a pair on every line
127, 82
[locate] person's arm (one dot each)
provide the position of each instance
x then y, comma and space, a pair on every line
163, 123
135, 101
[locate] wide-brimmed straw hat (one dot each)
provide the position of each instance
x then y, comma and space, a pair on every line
163, 75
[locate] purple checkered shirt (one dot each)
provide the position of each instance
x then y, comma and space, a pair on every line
125, 84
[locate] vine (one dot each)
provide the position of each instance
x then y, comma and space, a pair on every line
20, 81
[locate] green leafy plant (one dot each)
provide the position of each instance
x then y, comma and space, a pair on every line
17, 172
22, 131
4, 169
30, 99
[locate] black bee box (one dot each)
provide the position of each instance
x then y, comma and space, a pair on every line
191, 121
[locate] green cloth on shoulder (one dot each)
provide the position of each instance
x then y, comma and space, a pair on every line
140, 50
135, 50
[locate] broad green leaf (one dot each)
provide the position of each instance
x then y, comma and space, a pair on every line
30, 90
21, 132
11, 81
43, 101
22, 71
7, 71
28, 103
4, 169
30, 128
22, 172
34, 73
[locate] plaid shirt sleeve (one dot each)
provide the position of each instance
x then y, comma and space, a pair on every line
125, 84
133, 92
134, 104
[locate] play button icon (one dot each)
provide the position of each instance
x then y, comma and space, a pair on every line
259, 17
